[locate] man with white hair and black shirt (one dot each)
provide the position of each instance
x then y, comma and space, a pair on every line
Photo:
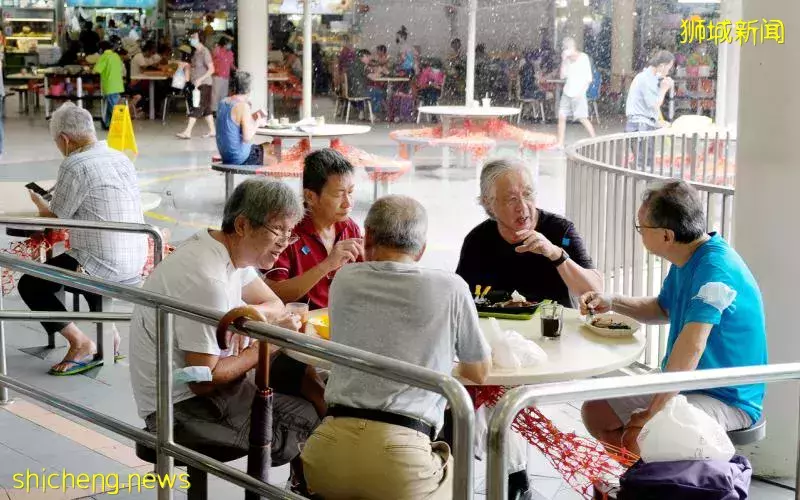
377, 440
94, 183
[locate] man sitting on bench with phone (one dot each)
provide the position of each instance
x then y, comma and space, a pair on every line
237, 125
94, 183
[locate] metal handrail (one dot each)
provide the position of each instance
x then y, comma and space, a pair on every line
612, 387
399, 371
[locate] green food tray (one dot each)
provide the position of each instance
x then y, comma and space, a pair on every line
498, 315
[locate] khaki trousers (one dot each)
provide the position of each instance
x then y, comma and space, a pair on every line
349, 458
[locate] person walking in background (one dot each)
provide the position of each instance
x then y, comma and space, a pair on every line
223, 64
202, 68
576, 69
2, 105
112, 71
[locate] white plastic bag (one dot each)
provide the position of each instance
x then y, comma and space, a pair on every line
196, 98
510, 349
682, 431
179, 79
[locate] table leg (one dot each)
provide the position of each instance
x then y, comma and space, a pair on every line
152, 99
80, 92
445, 149
228, 185
46, 100
277, 146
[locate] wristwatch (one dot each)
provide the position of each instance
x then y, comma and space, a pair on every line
564, 257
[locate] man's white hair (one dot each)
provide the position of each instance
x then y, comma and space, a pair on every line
569, 43
74, 122
491, 173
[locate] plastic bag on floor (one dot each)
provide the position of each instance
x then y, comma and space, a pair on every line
510, 349
682, 431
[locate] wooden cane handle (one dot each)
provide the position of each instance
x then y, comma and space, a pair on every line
236, 317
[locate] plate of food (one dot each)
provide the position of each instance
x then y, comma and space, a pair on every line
504, 305
611, 325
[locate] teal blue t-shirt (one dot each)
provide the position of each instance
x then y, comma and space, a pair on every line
716, 287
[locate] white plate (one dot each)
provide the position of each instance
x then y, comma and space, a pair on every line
608, 332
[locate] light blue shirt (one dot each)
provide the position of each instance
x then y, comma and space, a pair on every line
640, 107
716, 287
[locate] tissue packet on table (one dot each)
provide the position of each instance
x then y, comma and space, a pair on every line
510, 350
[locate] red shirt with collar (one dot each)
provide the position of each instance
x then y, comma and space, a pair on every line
308, 252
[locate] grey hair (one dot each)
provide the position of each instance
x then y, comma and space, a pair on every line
73, 122
261, 201
491, 172
241, 82
569, 42
675, 205
397, 222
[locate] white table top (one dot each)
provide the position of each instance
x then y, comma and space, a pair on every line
24, 76
579, 353
333, 130
277, 78
145, 76
15, 200
468, 112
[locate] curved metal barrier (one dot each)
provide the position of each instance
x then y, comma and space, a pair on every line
613, 387
166, 448
606, 177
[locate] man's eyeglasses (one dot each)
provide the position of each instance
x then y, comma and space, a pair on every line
515, 200
284, 237
639, 227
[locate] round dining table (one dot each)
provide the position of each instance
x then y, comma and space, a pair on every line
332, 131
579, 353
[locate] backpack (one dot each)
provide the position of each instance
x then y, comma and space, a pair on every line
687, 480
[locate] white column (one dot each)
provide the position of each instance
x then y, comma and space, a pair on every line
766, 229
728, 61
574, 27
472, 13
252, 27
622, 28
307, 82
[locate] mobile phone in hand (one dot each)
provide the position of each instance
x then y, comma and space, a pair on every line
39, 190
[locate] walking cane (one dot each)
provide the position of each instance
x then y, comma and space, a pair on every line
259, 455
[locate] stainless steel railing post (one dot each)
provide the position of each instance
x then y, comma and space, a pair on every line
4, 399
164, 464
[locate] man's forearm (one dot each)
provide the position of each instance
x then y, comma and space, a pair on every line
644, 309
580, 280
685, 356
293, 289
227, 370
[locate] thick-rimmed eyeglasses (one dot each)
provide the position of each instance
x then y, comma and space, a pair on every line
639, 227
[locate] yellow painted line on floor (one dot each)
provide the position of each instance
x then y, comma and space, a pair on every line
167, 178
171, 220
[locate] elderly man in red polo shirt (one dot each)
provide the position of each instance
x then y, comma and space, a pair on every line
327, 237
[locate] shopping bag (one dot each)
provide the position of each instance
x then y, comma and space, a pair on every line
682, 431
120, 135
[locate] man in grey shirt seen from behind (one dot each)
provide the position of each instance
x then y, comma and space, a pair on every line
645, 98
377, 439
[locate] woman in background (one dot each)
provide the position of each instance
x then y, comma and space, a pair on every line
223, 64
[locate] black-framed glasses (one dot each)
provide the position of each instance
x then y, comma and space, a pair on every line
639, 227
283, 236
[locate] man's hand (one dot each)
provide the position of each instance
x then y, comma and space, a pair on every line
630, 435
344, 252
667, 83
537, 243
288, 321
239, 343
40, 202
597, 302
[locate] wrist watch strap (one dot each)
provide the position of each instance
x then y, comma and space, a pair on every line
564, 257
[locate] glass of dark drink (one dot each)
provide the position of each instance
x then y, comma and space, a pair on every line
551, 315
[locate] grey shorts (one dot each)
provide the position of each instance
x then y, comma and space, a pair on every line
222, 421
729, 417
576, 107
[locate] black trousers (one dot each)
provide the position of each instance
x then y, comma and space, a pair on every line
43, 295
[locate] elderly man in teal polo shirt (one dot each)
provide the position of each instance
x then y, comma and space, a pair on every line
111, 70
713, 306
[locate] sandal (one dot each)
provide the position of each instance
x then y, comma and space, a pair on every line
182, 135
77, 366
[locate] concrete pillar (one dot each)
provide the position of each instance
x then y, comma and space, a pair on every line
472, 14
252, 45
307, 79
622, 28
765, 219
574, 27
728, 62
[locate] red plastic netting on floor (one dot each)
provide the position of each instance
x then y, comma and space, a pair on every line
581, 461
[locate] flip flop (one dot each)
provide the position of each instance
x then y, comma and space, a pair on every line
181, 135
78, 367
119, 357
